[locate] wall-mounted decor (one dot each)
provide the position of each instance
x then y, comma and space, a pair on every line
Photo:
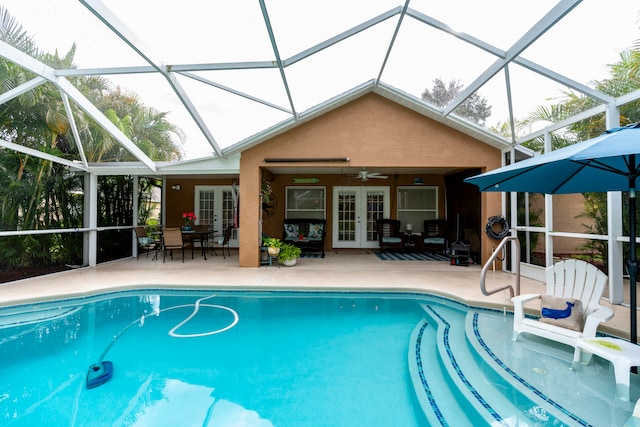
267, 199
269, 208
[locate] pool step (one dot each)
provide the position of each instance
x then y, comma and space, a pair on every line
439, 402
462, 376
454, 376
506, 368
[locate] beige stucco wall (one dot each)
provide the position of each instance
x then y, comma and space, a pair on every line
372, 132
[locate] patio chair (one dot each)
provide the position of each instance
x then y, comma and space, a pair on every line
145, 242
574, 287
434, 236
172, 239
222, 241
389, 235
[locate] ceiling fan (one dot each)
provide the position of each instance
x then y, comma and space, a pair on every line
365, 175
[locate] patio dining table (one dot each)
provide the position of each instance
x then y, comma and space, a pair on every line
198, 235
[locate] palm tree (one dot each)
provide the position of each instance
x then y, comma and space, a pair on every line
623, 79
38, 194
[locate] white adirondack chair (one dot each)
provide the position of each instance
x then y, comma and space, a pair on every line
567, 279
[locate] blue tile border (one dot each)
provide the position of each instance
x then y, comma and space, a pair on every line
423, 378
485, 405
420, 297
519, 379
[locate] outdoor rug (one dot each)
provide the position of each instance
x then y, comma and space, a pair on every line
303, 255
392, 256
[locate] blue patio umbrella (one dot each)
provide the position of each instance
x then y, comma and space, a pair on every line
609, 162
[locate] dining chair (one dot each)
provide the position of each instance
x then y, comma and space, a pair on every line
222, 241
145, 243
172, 239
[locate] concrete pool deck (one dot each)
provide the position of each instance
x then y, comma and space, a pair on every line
339, 270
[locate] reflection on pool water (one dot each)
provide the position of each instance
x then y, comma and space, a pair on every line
292, 359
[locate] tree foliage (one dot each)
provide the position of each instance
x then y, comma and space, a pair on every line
37, 194
474, 108
623, 78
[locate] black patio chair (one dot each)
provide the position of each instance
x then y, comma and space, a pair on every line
434, 236
222, 241
389, 235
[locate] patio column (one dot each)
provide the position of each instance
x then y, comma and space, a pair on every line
91, 209
615, 252
136, 220
249, 239
548, 212
513, 210
548, 225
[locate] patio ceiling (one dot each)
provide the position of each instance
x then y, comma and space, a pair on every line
233, 75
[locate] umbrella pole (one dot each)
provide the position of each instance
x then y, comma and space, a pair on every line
633, 262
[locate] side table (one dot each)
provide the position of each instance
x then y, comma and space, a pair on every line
411, 242
622, 354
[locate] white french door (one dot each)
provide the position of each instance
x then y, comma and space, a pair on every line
355, 211
214, 207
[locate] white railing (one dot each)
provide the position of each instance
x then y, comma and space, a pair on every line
516, 261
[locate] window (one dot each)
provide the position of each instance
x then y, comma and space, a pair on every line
306, 202
415, 204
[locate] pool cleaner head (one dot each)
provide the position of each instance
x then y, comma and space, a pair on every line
99, 374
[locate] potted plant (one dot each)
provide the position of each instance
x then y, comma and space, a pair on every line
272, 244
289, 254
189, 218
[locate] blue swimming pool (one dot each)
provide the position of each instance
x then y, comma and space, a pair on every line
301, 360
195, 358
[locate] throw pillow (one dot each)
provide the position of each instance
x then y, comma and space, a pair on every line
144, 241
563, 312
291, 231
315, 231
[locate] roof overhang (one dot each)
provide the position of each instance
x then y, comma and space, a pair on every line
228, 167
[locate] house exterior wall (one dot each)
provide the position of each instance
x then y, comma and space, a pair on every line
373, 132
272, 226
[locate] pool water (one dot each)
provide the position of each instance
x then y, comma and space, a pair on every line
301, 360
292, 359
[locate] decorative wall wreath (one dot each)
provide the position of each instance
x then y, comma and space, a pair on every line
269, 208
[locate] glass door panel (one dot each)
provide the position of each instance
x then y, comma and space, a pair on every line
214, 206
355, 211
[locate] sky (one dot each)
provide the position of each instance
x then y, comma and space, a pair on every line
580, 46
